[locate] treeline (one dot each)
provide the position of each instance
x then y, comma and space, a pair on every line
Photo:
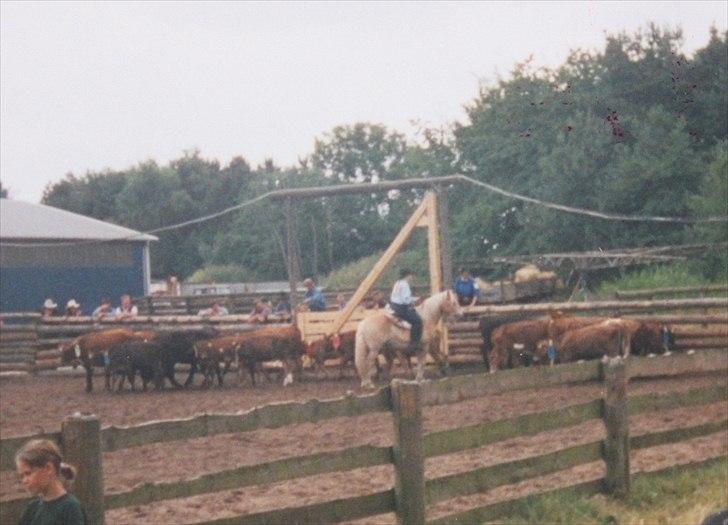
638, 128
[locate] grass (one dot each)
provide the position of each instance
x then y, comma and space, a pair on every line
679, 496
664, 276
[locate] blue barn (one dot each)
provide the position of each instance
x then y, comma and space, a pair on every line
47, 252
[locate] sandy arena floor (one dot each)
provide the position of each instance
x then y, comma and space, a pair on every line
35, 404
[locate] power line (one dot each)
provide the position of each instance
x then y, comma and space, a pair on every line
319, 191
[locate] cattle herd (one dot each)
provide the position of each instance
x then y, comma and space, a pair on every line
508, 341
523, 340
124, 354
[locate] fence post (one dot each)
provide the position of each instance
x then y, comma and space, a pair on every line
81, 439
616, 446
409, 458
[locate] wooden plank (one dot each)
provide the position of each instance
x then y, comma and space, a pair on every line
494, 511
501, 509
697, 396
327, 512
702, 345
480, 434
601, 305
271, 472
380, 266
465, 343
678, 434
275, 415
487, 478
684, 319
460, 388
678, 364
633, 294
14, 367
81, 447
616, 444
408, 453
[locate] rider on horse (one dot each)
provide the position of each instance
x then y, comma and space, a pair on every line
403, 305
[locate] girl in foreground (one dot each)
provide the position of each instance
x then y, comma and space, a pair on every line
42, 472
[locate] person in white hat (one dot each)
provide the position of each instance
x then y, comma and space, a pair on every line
73, 309
49, 308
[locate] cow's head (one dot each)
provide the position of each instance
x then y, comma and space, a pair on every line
70, 353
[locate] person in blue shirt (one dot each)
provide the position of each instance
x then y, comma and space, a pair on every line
313, 298
403, 305
466, 288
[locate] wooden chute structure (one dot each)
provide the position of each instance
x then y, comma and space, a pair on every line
314, 325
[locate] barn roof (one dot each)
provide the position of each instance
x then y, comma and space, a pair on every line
25, 220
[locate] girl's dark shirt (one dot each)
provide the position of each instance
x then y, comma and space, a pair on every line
66, 510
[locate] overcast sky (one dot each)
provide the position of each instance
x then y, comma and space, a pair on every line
89, 86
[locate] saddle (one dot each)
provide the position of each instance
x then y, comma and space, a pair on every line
396, 321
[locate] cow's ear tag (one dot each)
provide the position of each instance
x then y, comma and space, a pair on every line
77, 351
551, 353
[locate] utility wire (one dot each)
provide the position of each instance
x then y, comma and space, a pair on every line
449, 179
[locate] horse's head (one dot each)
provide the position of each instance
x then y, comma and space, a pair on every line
450, 305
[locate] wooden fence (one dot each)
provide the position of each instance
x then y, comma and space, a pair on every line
29, 343
84, 441
701, 291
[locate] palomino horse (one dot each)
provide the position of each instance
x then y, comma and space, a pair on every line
377, 331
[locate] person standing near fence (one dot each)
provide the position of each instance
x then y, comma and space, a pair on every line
43, 473
466, 288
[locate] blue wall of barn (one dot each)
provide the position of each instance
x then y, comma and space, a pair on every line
25, 289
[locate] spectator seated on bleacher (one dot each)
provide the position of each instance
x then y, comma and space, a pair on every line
50, 308
260, 312
104, 309
73, 309
214, 310
126, 310
283, 308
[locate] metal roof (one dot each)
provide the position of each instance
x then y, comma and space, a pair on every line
25, 220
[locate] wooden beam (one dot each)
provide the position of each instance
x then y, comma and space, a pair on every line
402, 237
291, 266
349, 189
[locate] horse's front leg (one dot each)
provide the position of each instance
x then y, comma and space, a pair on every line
421, 356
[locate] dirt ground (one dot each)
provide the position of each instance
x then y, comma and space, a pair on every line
35, 404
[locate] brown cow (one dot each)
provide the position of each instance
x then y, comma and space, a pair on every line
272, 344
560, 324
521, 336
652, 338
337, 346
610, 338
92, 349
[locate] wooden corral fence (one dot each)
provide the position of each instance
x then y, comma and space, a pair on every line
701, 291
712, 332
241, 303
84, 441
29, 343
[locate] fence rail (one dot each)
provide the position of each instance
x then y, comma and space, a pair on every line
653, 292
406, 407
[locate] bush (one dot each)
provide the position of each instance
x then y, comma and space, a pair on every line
227, 273
683, 273
351, 275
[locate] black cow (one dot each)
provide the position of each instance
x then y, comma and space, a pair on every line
178, 346
128, 358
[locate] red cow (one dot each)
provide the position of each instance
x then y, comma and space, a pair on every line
272, 344
92, 349
610, 338
337, 346
521, 337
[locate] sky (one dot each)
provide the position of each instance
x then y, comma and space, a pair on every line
90, 86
